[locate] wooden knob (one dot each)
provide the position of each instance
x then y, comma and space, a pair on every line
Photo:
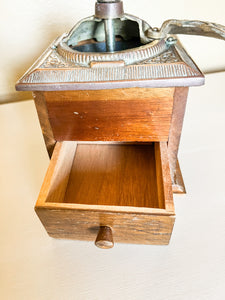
104, 239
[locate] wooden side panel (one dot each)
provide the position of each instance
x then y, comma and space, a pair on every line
136, 114
180, 99
41, 108
178, 182
126, 227
163, 177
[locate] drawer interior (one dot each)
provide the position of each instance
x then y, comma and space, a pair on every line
124, 186
123, 175
115, 174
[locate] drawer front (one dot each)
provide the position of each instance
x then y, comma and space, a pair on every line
126, 227
111, 115
121, 186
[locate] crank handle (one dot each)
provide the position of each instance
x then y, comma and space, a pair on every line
187, 27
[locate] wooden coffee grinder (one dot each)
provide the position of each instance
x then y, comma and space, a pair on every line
110, 97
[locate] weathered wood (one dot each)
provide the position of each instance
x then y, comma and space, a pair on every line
41, 108
135, 114
127, 227
179, 105
178, 182
65, 217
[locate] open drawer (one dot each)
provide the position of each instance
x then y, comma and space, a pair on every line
121, 187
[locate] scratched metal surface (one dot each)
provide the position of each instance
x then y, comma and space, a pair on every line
28, 28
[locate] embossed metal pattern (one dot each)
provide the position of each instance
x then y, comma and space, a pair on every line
55, 61
130, 56
173, 67
136, 72
169, 56
170, 66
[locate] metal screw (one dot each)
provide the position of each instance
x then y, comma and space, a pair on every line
171, 41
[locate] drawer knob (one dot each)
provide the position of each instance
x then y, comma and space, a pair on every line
104, 239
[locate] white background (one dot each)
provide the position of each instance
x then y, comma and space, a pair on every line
35, 266
27, 27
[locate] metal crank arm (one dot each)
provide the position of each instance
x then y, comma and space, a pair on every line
187, 27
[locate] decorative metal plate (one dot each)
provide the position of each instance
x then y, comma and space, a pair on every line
170, 66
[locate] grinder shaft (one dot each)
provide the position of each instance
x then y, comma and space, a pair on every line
109, 10
109, 35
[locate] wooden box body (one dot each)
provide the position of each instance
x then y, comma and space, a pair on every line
112, 130
113, 162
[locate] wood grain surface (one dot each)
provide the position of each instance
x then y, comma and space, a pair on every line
122, 175
164, 183
179, 105
126, 227
178, 185
41, 108
126, 187
135, 114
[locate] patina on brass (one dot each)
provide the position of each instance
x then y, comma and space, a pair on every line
189, 27
112, 49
